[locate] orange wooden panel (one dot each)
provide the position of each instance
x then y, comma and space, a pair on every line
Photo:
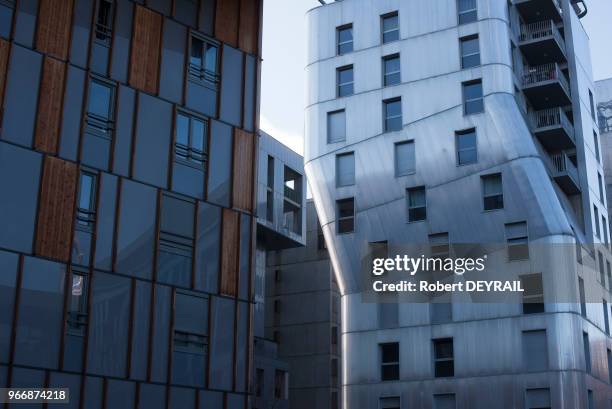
146, 43
226, 21
242, 188
229, 249
248, 38
56, 209
4, 57
50, 103
54, 24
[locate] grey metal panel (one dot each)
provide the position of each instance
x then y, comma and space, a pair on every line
250, 71
107, 204
140, 340
207, 16
120, 394
6, 21
25, 22
121, 40
124, 130
161, 335
81, 31
208, 248
8, 281
220, 164
222, 344
162, 6
21, 96
231, 86
181, 398
173, 61
152, 396
72, 114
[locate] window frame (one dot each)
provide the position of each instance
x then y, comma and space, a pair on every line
483, 179
382, 27
339, 44
200, 74
206, 140
396, 157
182, 340
460, 13
329, 115
85, 219
409, 207
103, 33
462, 56
339, 85
458, 151
345, 218
339, 157
515, 241
386, 74
386, 118
437, 360
94, 124
384, 364
535, 301
466, 101
77, 319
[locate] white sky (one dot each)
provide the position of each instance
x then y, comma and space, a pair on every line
284, 56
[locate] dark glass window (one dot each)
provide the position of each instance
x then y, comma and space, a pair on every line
203, 62
582, 296
390, 27
104, 22
345, 169
592, 104
587, 351
346, 215
533, 294
390, 403
344, 80
86, 205
517, 238
392, 111
467, 148
77, 305
336, 126
391, 70
6, 17
191, 144
444, 361
596, 145
492, 192
473, 102
389, 361
417, 204
259, 381
466, 10
344, 37
280, 384
537, 398
470, 51
101, 105
405, 161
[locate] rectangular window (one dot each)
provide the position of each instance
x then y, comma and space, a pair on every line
191, 145
538, 398
596, 146
259, 382
389, 403
77, 305
390, 27
466, 10
417, 204
280, 384
609, 366
473, 101
389, 361
609, 273
346, 215
405, 160
344, 38
533, 294
391, 70
336, 126
604, 227
587, 351
467, 151
270, 190
592, 104
600, 182
517, 238
535, 350
444, 361
204, 62
470, 51
602, 273
444, 401
344, 81
104, 22
345, 169
590, 400
100, 108
492, 192
392, 111
606, 318
596, 220
292, 201
190, 337
86, 204
321, 245
582, 296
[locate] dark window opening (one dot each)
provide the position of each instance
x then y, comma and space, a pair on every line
344, 39
100, 109
86, 204
104, 22
77, 305
391, 70
344, 80
517, 239
280, 384
470, 51
466, 10
390, 27
444, 361
417, 204
174, 263
492, 192
203, 62
392, 110
473, 101
389, 361
346, 215
533, 294
467, 148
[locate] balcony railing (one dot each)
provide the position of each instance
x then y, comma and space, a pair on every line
544, 73
552, 117
562, 164
540, 30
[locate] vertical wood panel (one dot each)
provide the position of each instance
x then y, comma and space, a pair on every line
243, 180
226, 21
50, 104
4, 58
56, 209
249, 26
146, 43
54, 24
229, 251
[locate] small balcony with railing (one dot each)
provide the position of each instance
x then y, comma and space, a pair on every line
533, 10
546, 86
565, 173
541, 42
553, 129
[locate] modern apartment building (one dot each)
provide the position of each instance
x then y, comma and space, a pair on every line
127, 200
463, 121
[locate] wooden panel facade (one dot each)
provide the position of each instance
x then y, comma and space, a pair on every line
4, 58
50, 105
230, 245
226, 21
56, 209
248, 36
54, 26
146, 50
243, 175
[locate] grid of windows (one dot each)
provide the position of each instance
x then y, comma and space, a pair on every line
467, 149
417, 204
392, 110
344, 38
390, 27
391, 70
470, 51
344, 81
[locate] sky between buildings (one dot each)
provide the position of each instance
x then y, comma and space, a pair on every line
284, 59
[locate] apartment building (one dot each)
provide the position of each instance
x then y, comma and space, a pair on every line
127, 200
445, 122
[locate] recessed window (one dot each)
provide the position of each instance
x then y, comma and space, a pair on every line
606, 318
604, 226
191, 144
405, 160
465, 143
346, 215
104, 22
270, 190
280, 384
77, 305
473, 102
533, 294
389, 361
466, 11
602, 272
538, 398
100, 108
535, 350
392, 110
344, 80
492, 192
587, 351
203, 62
336, 126
596, 146
600, 183
517, 239
391, 70
389, 403
592, 104
259, 382
86, 205
609, 365
582, 296
390, 27
344, 38
444, 401
345, 169
444, 361
596, 220
470, 51
417, 204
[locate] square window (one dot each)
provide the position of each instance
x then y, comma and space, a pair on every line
470, 51
473, 101
392, 110
345, 169
405, 161
465, 143
336, 126
389, 361
492, 192
467, 12
344, 39
344, 80
417, 204
390, 27
391, 70
444, 362
346, 215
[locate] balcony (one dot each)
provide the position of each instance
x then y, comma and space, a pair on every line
565, 173
553, 129
546, 86
533, 10
541, 43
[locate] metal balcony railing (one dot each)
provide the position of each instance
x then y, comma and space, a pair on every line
544, 73
539, 30
562, 164
551, 117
